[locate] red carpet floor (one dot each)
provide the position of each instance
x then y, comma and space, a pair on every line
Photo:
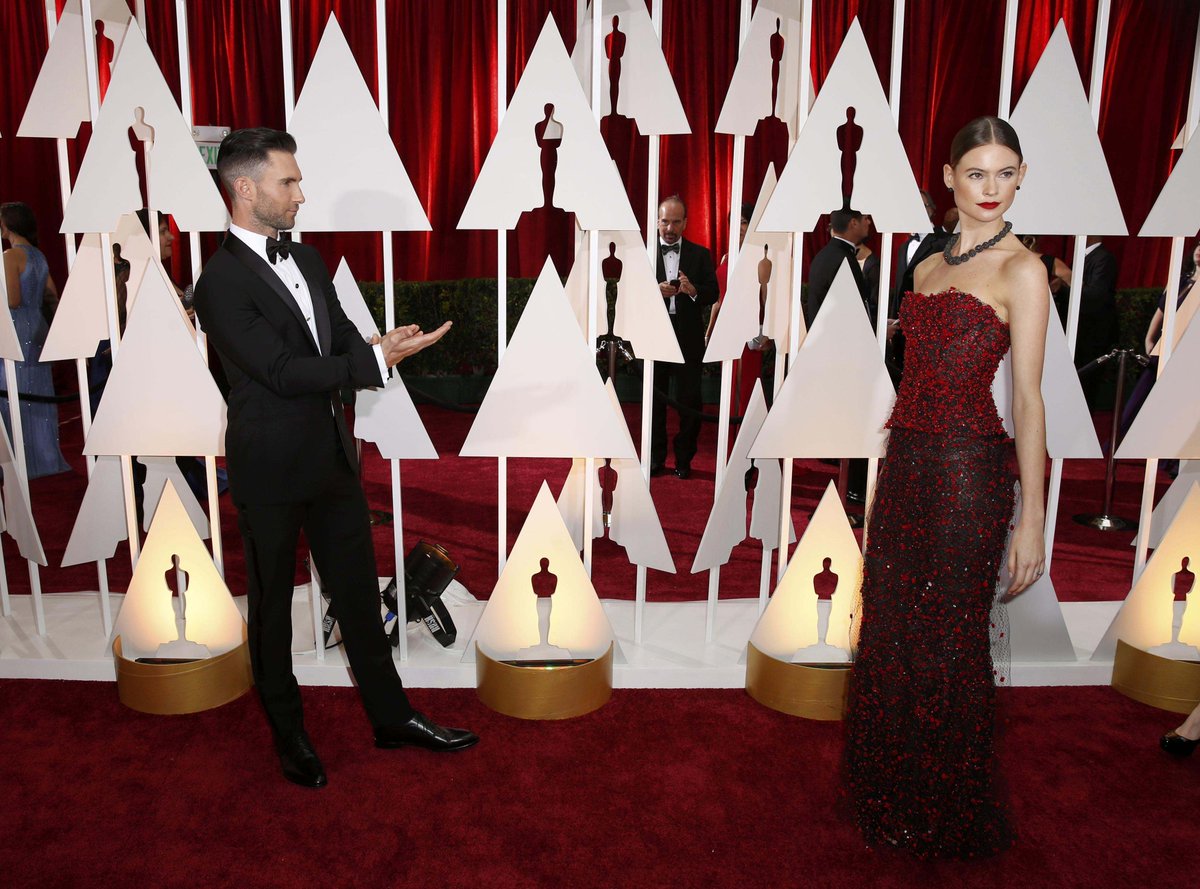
453, 502
656, 789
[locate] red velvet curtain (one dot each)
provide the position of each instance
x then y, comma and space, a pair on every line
442, 103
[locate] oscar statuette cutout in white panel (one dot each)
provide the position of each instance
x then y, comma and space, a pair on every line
1070, 431
109, 184
385, 416
1147, 618
149, 618
765, 82
549, 152
634, 523
757, 299
633, 70
827, 565
838, 394
849, 154
59, 101
18, 513
100, 523
726, 526
160, 399
543, 604
1168, 425
353, 178
1167, 508
1067, 189
546, 399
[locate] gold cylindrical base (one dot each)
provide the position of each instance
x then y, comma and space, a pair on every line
173, 689
544, 692
1158, 681
809, 690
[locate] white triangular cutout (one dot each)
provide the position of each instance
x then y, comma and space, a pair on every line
1168, 425
546, 399
1167, 508
1145, 619
1067, 189
726, 526
749, 97
81, 321
1070, 432
811, 183
1037, 631
738, 319
389, 418
100, 522
107, 185
351, 300
18, 513
790, 627
587, 181
148, 617
1176, 213
353, 178
509, 626
159, 471
838, 394
634, 523
645, 90
160, 399
59, 101
1183, 319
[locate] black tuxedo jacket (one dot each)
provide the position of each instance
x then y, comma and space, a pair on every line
691, 315
902, 280
286, 430
824, 268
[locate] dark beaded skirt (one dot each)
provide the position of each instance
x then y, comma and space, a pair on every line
920, 757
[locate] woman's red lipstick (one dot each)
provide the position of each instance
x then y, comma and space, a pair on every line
988, 205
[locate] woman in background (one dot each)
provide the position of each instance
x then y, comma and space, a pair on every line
32, 296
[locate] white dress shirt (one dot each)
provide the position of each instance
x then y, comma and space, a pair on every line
671, 266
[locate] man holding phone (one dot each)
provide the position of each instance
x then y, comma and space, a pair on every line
688, 283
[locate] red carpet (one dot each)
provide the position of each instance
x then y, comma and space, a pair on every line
453, 502
658, 788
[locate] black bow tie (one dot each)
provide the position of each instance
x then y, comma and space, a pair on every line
281, 247
668, 248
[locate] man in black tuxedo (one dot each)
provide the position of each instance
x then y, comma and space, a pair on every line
919, 247
1097, 313
849, 228
270, 309
688, 282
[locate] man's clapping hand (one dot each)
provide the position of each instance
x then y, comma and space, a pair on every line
406, 341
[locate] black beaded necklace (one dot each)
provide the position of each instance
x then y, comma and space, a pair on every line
951, 259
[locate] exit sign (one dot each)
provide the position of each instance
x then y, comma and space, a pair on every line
208, 142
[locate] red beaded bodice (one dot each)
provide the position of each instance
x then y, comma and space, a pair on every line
953, 345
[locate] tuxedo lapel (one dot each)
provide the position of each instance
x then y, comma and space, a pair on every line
320, 308
259, 267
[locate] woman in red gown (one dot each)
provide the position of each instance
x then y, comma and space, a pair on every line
920, 758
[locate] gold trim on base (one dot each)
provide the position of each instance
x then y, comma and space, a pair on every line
813, 691
1158, 681
544, 692
173, 689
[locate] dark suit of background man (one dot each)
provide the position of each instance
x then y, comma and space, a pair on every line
270, 309
688, 282
849, 228
1097, 313
919, 247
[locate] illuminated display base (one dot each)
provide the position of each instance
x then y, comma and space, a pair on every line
544, 692
186, 687
1158, 681
813, 691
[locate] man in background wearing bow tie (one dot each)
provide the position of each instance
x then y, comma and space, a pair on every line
914, 251
270, 309
688, 282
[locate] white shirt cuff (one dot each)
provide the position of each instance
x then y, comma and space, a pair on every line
383, 368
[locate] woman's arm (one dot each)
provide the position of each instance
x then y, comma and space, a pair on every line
12, 276
1154, 330
1028, 303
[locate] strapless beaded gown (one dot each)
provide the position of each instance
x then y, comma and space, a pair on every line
920, 760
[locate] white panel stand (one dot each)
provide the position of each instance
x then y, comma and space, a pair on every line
1167, 339
501, 284
85, 405
593, 296
210, 463
22, 473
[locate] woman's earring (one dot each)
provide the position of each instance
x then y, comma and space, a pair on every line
1018, 188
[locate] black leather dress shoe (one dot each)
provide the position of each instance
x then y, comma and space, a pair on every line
419, 731
683, 471
1177, 745
299, 761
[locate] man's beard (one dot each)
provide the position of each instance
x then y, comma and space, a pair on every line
277, 220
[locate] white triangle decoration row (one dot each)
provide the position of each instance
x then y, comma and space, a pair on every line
353, 178
587, 181
646, 90
546, 399
726, 526
641, 314
178, 182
